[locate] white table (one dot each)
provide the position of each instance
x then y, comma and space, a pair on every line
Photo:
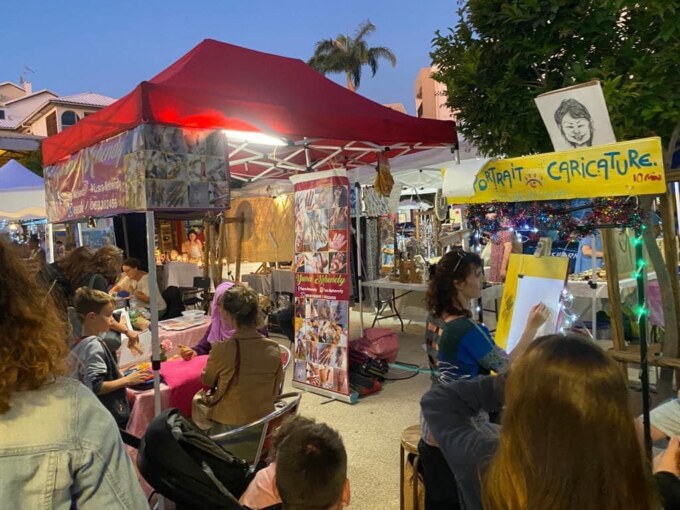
386, 283
181, 274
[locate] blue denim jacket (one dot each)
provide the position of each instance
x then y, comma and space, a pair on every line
60, 449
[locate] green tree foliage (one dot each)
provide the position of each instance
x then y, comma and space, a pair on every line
502, 54
349, 55
33, 161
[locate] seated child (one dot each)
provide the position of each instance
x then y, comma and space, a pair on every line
311, 469
262, 492
93, 364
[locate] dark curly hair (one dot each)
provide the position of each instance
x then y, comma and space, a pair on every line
454, 266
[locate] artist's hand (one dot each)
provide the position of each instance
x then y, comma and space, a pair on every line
668, 460
538, 315
337, 242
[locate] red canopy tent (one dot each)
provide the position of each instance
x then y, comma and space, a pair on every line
219, 85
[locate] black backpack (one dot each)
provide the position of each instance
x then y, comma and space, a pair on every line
182, 463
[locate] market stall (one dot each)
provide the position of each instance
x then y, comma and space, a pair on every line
169, 146
22, 201
609, 172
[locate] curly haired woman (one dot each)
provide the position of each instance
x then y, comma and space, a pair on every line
59, 447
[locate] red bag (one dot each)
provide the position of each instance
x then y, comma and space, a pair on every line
382, 343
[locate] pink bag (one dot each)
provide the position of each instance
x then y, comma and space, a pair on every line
382, 343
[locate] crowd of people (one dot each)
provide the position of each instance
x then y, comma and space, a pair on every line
522, 430
49, 375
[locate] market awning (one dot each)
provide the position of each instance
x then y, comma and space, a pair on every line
217, 85
22, 193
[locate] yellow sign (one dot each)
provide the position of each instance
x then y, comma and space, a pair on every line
619, 169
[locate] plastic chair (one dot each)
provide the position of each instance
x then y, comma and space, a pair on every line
285, 405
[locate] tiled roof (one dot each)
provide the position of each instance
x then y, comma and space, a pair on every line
85, 99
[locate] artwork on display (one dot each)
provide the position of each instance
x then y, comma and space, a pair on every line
376, 205
268, 231
140, 352
576, 117
150, 167
530, 280
322, 283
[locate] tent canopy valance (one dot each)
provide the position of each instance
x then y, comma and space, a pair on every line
221, 86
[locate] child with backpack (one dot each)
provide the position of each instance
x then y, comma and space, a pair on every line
94, 364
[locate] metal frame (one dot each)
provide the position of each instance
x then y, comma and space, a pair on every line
286, 408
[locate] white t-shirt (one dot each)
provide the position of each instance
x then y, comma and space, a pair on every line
142, 285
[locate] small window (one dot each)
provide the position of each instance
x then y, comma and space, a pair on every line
2, 114
68, 118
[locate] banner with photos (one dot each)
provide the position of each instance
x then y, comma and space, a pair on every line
149, 168
322, 283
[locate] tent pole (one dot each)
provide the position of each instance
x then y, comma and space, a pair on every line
153, 302
125, 236
359, 261
50, 243
79, 231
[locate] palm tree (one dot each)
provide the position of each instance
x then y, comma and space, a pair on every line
348, 55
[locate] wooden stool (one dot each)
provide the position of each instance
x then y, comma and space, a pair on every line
409, 444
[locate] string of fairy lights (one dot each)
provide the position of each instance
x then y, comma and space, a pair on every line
560, 219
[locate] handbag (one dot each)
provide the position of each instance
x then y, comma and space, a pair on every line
204, 400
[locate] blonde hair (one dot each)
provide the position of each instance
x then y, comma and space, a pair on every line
89, 300
565, 401
33, 336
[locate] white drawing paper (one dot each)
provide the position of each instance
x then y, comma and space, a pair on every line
532, 290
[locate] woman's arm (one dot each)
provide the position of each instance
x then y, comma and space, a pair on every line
538, 316
451, 412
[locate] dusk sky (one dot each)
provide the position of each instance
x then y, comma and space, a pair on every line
109, 47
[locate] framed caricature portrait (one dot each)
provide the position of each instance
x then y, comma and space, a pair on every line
576, 117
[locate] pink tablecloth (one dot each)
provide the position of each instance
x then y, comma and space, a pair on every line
189, 337
182, 381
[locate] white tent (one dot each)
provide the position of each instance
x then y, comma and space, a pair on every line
22, 193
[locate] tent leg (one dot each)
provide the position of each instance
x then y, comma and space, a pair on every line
153, 298
125, 236
79, 233
359, 261
50, 243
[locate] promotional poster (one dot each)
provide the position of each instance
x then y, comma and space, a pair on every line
149, 168
322, 283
